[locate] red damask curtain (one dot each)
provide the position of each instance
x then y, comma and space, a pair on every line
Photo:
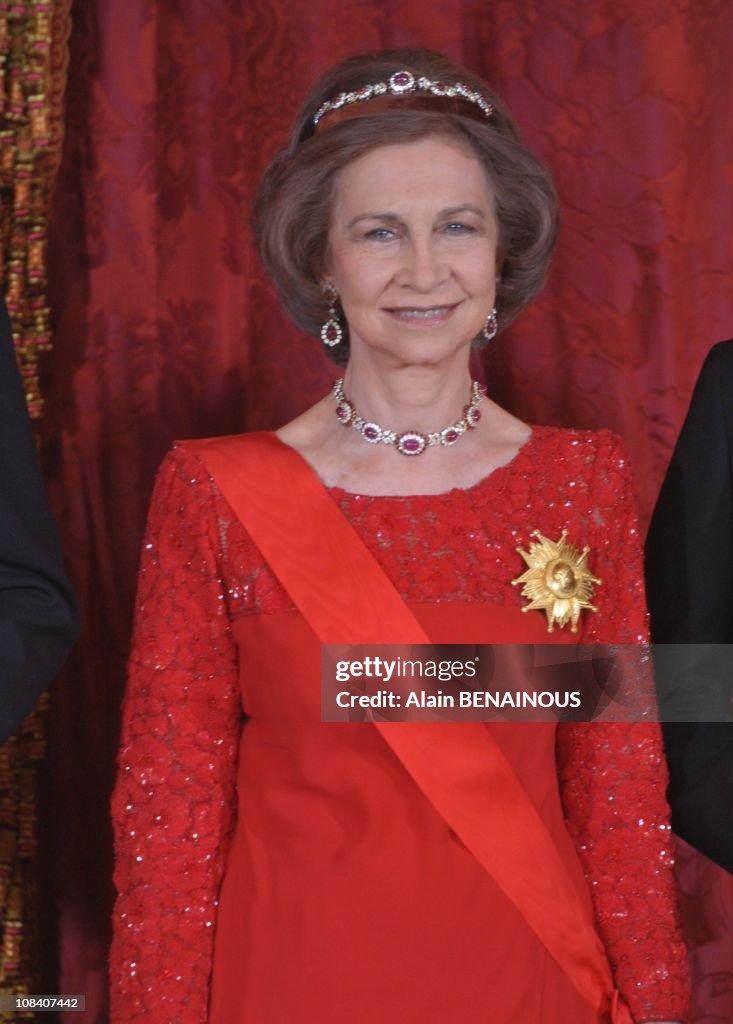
165, 326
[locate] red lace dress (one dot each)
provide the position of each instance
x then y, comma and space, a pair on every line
275, 869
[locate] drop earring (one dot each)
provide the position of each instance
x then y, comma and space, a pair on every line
332, 332
491, 326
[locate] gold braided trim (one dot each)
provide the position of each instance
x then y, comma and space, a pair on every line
34, 38
19, 942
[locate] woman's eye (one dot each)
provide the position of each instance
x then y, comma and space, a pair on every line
380, 234
457, 228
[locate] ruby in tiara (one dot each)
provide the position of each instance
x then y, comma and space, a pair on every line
401, 81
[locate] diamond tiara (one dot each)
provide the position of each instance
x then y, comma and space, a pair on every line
403, 83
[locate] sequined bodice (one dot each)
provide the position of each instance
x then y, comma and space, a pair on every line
461, 545
173, 804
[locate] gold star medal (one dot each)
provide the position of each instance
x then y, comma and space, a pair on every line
557, 580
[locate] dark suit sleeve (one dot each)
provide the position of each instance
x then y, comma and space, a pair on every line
38, 613
689, 563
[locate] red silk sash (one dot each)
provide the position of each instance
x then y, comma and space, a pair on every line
344, 595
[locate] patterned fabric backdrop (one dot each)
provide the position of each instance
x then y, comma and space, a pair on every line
165, 326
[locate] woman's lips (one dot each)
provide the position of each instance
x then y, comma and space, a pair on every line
422, 316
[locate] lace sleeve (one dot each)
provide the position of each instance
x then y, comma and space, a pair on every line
172, 808
613, 778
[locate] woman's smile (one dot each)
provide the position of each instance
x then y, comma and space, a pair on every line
423, 316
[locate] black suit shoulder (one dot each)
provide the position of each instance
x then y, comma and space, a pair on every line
689, 549
715, 388
689, 569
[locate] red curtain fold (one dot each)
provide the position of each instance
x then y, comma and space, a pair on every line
166, 327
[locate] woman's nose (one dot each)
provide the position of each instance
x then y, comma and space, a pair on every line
424, 268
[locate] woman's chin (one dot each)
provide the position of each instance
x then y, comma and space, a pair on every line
415, 345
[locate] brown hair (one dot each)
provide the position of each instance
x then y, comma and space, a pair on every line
293, 201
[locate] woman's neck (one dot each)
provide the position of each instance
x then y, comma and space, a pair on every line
417, 397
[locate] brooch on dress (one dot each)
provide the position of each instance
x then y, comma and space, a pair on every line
557, 580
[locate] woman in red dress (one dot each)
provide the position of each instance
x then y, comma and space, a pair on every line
274, 868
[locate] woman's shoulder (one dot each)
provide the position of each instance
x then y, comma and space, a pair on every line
189, 497
587, 448
198, 447
191, 458
186, 485
573, 468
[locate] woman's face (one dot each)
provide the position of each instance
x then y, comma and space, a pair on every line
412, 249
